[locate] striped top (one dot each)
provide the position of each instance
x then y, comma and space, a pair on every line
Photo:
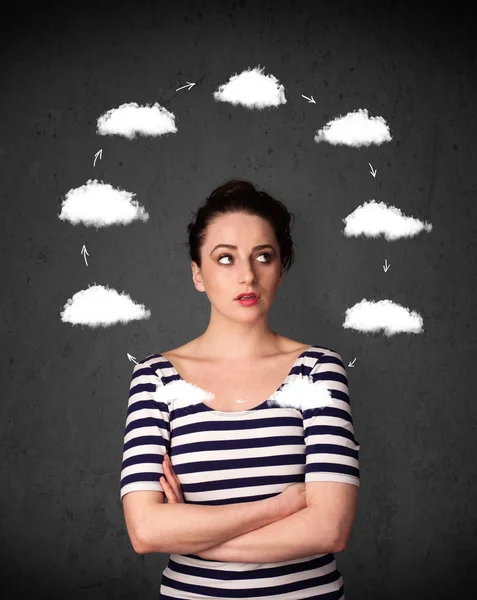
226, 457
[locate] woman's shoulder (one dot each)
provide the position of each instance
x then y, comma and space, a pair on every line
186, 350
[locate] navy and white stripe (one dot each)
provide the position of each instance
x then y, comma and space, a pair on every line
228, 457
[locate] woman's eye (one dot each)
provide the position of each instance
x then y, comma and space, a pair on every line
230, 256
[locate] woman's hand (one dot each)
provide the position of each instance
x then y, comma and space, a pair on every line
292, 499
170, 483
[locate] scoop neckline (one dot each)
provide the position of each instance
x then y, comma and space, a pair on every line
242, 412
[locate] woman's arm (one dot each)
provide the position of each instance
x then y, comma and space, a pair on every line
182, 534
192, 528
295, 536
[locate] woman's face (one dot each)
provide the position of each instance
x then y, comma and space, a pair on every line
227, 272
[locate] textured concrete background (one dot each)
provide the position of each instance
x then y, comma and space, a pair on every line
64, 388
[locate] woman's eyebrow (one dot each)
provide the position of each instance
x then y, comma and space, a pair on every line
231, 247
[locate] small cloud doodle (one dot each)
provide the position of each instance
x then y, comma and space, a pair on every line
374, 219
383, 315
98, 204
252, 89
131, 119
100, 306
355, 129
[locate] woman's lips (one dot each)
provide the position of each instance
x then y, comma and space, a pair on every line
248, 302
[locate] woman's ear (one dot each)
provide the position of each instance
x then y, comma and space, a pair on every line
197, 277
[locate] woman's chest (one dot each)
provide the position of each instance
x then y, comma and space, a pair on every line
235, 386
237, 392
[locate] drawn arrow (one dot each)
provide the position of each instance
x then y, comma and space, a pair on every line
131, 358
351, 364
84, 252
310, 100
387, 266
98, 153
184, 86
373, 173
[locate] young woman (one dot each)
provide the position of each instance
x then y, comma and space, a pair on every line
260, 493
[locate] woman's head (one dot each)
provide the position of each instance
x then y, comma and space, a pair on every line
237, 214
242, 197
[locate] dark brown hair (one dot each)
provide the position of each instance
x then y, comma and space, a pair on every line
242, 197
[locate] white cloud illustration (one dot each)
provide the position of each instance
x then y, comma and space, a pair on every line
355, 129
100, 205
180, 394
100, 306
368, 316
131, 119
252, 89
302, 394
373, 219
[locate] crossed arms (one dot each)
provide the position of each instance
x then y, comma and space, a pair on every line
255, 532
323, 526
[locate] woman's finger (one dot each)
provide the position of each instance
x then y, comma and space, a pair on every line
173, 480
168, 469
170, 495
167, 463
169, 474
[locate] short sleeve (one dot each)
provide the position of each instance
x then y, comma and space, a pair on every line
332, 452
146, 435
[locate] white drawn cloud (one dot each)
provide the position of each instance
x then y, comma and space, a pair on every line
355, 129
368, 316
100, 306
180, 394
302, 394
373, 219
131, 119
100, 205
252, 89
